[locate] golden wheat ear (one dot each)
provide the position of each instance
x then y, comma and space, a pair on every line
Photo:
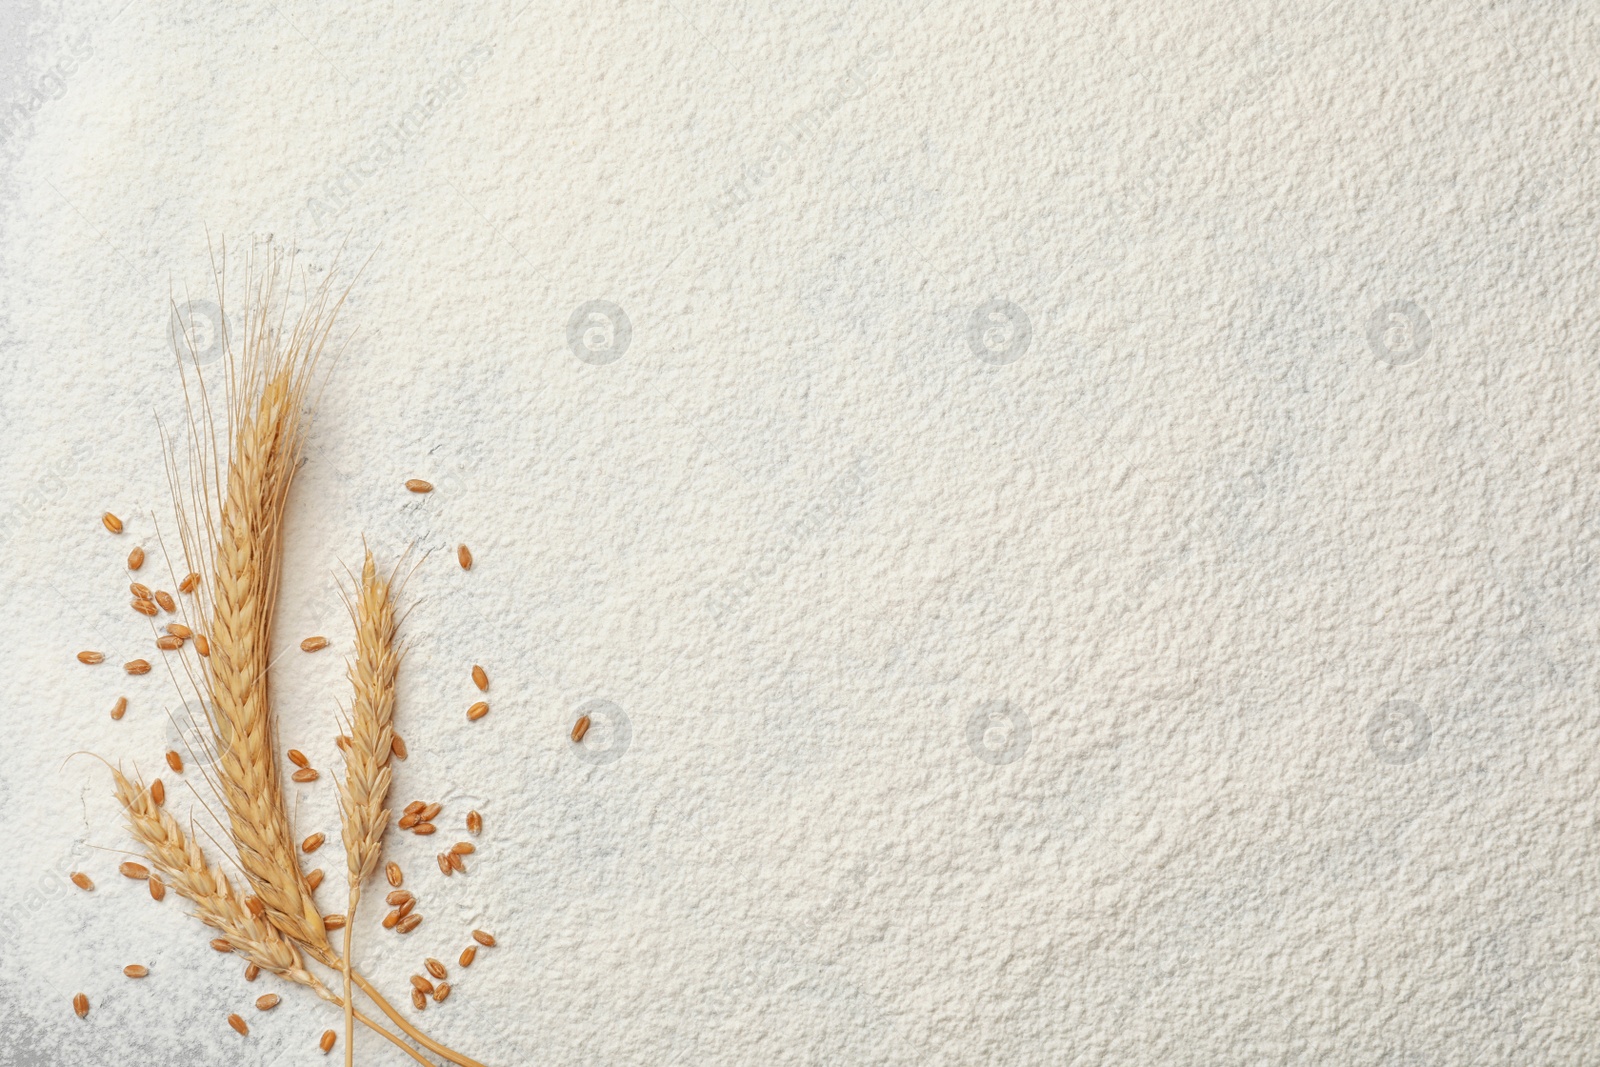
365, 788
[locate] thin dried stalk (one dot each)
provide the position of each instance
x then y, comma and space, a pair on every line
182, 863
366, 783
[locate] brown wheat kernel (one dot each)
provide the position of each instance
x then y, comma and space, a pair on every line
140, 590
298, 758
480, 678
474, 823
305, 774
394, 874
456, 862
464, 557
120, 708
174, 761
398, 747
80, 1004
251, 972
328, 1038
144, 607
441, 992
468, 954
257, 906
430, 811
418, 1001
238, 1024
444, 865
435, 968
417, 485
201, 645
333, 922
314, 842
477, 711
179, 630
221, 944
91, 658
158, 888
158, 792
314, 644
190, 582
407, 822
405, 909
314, 879
580, 728
423, 829
409, 923
82, 881
136, 558
137, 666
168, 643
111, 522
421, 983
164, 598
484, 939
463, 848
414, 807
136, 970
390, 919
397, 898
267, 1002
131, 869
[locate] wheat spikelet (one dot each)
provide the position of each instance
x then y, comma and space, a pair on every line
366, 781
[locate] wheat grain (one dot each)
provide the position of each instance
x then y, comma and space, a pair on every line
201, 645
120, 708
409, 923
468, 954
174, 761
314, 644
477, 711
417, 485
91, 658
135, 558
398, 747
328, 1039
111, 522
268, 1001
314, 879
394, 875
190, 583
440, 992
82, 881
179, 630
485, 939
239, 1024
397, 898
298, 758
463, 848
474, 823
137, 666
251, 972
144, 607
80, 1004
158, 888
420, 983
140, 590
580, 728
136, 970
444, 865
418, 1000
158, 792
164, 598
480, 678
464, 557
422, 829
312, 843
305, 774
168, 643
131, 869
435, 968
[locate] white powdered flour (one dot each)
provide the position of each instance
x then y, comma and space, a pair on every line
1075, 523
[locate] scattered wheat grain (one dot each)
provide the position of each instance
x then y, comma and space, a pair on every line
158, 888
201, 645
168, 643
468, 954
418, 1001
137, 666
328, 1038
314, 879
80, 1004
136, 558
435, 968
484, 939
251, 972
423, 829
390, 919
91, 658
463, 848
398, 747
409, 923
305, 774
111, 522
179, 630
190, 582
314, 842
174, 761
136, 970
298, 758
464, 557
333, 922
474, 823
441, 992
394, 874
238, 1024
580, 728
120, 708
164, 598
417, 485
397, 898
444, 865
480, 678
314, 644
477, 711
144, 607
421, 983
82, 881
